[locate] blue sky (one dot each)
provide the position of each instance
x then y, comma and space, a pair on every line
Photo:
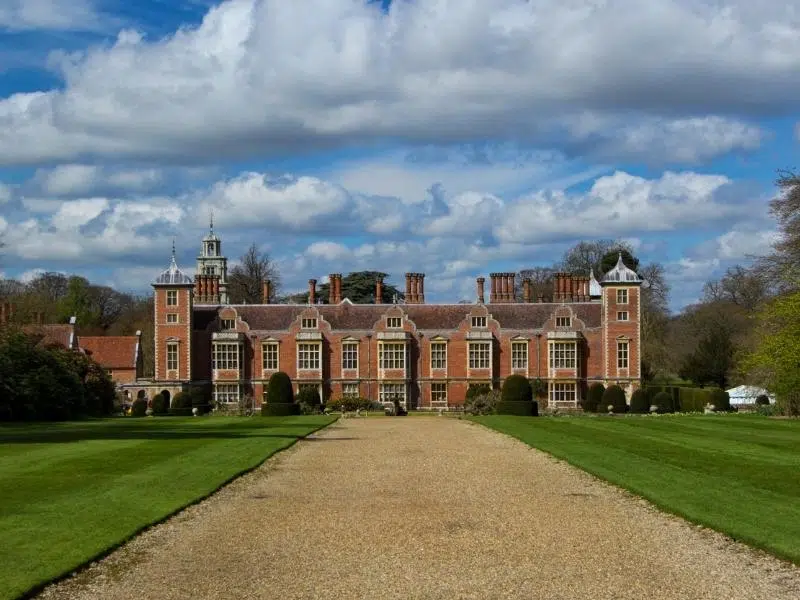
447, 137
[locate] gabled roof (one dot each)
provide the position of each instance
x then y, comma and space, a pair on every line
279, 317
52, 334
111, 352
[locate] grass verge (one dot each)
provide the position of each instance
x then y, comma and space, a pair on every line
71, 492
738, 474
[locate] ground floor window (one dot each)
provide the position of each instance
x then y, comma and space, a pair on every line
563, 395
350, 390
226, 393
389, 392
439, 395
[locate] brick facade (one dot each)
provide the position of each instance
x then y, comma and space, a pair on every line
586, 331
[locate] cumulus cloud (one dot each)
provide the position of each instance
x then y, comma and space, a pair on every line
269, 76
81, 180
75, 15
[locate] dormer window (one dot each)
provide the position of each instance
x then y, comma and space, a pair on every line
308, 323
228, 324
394, 322
479, 322
563, 321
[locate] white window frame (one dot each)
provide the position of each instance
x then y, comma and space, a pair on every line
227, 324
350, 390
270, 351
519, 356
479, 321
172, 318
173, 360
622, 315
439, 356
562, 393
394, 322
226, 393
622, 296
309, 356
439, 394
480, 355
563, 321
388, 391
308, 323
172, 297
623, 354
563, 355
225, 356
392, 355
349, 356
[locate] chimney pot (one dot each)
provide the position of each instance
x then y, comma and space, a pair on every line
409, 288
512, 284
420, 288
312, 291
379, 290
480, 281
493, 290
266, 291
526, 290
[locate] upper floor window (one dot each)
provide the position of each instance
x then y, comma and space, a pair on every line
519, 355
622, 315
392, 356
308, 323
172, 357
228, 323
563, 355
438, 355
622, 355
172, 297
225, 356
479, 355
563, 321
172, 317
308, 356
269, 357
622, 296
479, 321
394, 322
350, 356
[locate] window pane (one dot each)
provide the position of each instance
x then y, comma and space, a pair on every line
392, 356
479, 355
308, 356
438, 356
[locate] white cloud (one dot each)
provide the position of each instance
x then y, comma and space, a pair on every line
75, 15
77, 180
270, 76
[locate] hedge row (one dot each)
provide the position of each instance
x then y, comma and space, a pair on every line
688, 399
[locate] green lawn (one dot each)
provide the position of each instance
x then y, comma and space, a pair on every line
739, 474
72, 491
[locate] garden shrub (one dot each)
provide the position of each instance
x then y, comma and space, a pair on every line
663, 400
516, 388
279, 389
721, 400
593, 397
762, 400
279, 409
478, 389
639, 402
309, 396
694, 399
539, 388
159, 404
139, 407
482, 404
614, 396
181, 405
526, 408
201, 399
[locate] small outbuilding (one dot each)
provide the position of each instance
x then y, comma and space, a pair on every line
747, 394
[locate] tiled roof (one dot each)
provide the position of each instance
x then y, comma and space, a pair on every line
111, 352
51, 334
345, 316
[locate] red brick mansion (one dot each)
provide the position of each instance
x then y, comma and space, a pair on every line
425, 354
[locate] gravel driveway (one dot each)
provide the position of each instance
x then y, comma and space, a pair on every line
426, 508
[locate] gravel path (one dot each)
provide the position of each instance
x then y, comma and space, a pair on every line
426, 508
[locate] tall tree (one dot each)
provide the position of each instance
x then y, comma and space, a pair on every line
358, 287
585, 256
654, 319
246, 280
541, 282
783, 264
748, 288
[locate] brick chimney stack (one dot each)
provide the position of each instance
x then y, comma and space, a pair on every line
526, 290
511, 287
493, 287
332, 299
420, 278
266, 291
410, 289
379, 290
480, 281
312, 291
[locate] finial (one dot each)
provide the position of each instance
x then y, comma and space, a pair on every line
211, 220
173, 248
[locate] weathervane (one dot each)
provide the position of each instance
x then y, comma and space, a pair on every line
211, 219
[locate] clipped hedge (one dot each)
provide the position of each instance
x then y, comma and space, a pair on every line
593, 397
663, 400
181, 405
139, 407
639, 402
524, 408
279, 389
159, 404
614, 396
201, 399
721, 400
478, 389
516, 388
279, 409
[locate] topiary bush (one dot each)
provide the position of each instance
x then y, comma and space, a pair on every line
279, 409
279, 389
181, 405
139, 407
159, 404
593, 397
309, 401
520, 409
762, 400
639, 402
721, 401
614, 396
663, 400
516, 388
